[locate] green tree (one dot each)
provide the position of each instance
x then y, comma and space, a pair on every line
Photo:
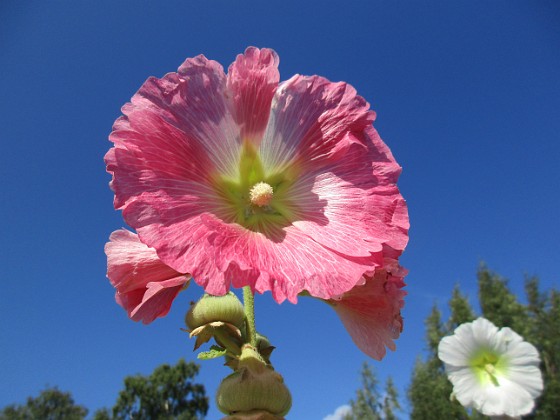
369, 405
538, 322
391, 400
461, 311
429, 392
51, 404
544, 312
168, 393
499, 305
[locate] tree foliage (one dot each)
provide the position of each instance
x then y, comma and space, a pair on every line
168, 393
430, 390
538, 321
51, 404
391, 401
369, 404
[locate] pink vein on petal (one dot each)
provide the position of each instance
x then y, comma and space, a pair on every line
309, 120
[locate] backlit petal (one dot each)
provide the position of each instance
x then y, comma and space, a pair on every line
311, 120
371, 313
252, 80
145, 286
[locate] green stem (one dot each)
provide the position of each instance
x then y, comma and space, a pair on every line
249, 306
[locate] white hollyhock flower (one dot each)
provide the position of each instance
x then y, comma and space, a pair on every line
493, 371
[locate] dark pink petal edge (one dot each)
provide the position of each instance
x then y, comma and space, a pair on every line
146, 287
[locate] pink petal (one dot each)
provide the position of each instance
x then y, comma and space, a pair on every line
176, 128
157, 300
285, 261
145, 286
151, 156
182, 131
371, 313
252, 79
350, 208
312, 120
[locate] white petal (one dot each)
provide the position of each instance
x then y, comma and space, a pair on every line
485, 333
508, 398
522, 354
462, 341
528, 377
465, 385
451, 351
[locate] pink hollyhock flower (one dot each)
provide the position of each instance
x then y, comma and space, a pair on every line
145, 286
240, 180
371, 312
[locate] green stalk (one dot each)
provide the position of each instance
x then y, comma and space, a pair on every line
249, 306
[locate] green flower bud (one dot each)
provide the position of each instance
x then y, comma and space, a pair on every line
210, 308
243, 392
253, 415
253, 387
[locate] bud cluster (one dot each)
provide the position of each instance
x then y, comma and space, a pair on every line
254, 391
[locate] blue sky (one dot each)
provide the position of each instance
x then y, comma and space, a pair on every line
467, 96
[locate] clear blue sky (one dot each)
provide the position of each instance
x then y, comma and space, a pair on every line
468, 98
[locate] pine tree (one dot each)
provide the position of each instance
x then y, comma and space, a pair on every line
544, 310
369, 405
391, 400
461, 310
435, 331
499, 305
430, 391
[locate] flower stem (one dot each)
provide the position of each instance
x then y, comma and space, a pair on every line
249, 305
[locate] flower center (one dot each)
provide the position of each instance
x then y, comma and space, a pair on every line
261, 194
254, 198
488, 366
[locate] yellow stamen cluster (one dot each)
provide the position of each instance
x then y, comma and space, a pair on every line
261, 194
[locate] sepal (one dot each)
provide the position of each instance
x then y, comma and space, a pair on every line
213, 353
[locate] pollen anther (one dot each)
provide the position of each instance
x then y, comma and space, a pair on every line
488, 367
261, 194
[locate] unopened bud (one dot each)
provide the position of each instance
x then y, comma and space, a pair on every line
244, 392
210, 308
253, 415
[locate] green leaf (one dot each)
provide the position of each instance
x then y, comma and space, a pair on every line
213, 353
